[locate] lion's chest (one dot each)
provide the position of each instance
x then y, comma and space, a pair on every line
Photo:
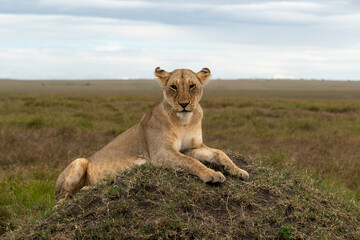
188, 138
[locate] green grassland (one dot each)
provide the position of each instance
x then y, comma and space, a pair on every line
311, 128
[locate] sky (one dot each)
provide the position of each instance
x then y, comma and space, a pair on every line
119, 39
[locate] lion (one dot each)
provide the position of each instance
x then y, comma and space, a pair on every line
170, 134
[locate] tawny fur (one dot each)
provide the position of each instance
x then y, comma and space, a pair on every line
169, 134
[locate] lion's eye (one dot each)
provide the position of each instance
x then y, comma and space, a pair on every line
192, 86
173, 87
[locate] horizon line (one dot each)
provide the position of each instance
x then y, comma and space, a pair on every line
214, 79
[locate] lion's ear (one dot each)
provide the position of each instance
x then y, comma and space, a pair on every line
162, 76
204, 76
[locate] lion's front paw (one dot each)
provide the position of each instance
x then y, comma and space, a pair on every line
240, 173
213, 177
85, 188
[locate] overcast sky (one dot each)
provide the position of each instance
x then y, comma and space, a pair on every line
111, 39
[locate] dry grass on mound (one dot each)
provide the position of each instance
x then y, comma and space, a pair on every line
156, 203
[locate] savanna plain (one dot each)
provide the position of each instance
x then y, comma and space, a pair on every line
308, 127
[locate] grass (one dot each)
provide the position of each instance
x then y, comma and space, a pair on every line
156, 203
220, 88
41, 133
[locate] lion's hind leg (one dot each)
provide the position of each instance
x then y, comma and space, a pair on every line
71, 180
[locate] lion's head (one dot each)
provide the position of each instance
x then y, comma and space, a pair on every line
182, 88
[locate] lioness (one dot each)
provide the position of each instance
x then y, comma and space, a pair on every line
169, 134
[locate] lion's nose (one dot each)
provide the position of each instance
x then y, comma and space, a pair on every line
184, 104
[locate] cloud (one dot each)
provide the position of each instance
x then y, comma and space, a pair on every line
95, 4
280, 76
111, 47
116, 4
274, 6
49, 27
203, 12
231, 62
114, 39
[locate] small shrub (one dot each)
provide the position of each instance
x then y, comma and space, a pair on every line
285, 233
35, 122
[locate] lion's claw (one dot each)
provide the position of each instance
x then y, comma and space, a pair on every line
214, 177
240, 173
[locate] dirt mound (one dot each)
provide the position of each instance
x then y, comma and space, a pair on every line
157, 203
